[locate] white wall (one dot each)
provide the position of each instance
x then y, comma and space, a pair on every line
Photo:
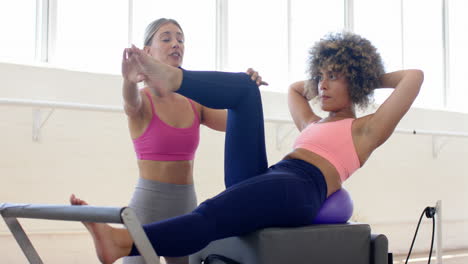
90, 154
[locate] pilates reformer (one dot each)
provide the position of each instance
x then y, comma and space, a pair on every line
116, 215
331, 233
259, 247
251, 248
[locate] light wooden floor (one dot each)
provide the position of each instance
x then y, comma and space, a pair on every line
78, 249
449, 257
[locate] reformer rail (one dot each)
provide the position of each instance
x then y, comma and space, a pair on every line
117, 215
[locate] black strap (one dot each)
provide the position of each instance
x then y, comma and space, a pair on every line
224, 259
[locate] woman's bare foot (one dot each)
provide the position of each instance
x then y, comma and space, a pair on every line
110, 243
77, 201
160, 77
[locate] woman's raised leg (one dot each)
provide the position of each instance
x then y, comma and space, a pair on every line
245, 154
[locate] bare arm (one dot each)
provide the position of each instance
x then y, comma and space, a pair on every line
132, 99
301, 111
214, 118
380, 125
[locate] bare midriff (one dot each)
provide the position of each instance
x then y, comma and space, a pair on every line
175, 172
332, 178
181, 172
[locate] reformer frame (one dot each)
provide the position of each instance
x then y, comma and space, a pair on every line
84, 213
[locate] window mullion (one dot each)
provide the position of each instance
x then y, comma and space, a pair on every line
446, 52
289, 44
42, 30
221, 56
130, 23
349, 15
402, 31
51, 29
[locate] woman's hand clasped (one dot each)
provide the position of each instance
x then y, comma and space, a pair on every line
130, 69
255, 77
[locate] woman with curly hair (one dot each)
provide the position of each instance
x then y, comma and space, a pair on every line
344, 70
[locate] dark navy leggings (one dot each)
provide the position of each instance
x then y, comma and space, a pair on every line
288, 194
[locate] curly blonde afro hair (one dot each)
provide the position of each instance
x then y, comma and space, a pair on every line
351, 55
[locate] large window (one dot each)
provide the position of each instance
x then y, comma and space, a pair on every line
423, 48
458, 23
380, 22
309, 22
408, 39
197, 19
273, 37
89, 35
257, 38
18, 30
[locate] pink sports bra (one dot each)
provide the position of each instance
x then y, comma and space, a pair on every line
334, 142
162, 142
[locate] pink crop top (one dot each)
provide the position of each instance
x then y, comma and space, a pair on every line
162, 142
334, 142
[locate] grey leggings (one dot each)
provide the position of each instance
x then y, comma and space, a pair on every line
154, 201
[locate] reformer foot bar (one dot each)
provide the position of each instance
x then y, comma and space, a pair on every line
84, 213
